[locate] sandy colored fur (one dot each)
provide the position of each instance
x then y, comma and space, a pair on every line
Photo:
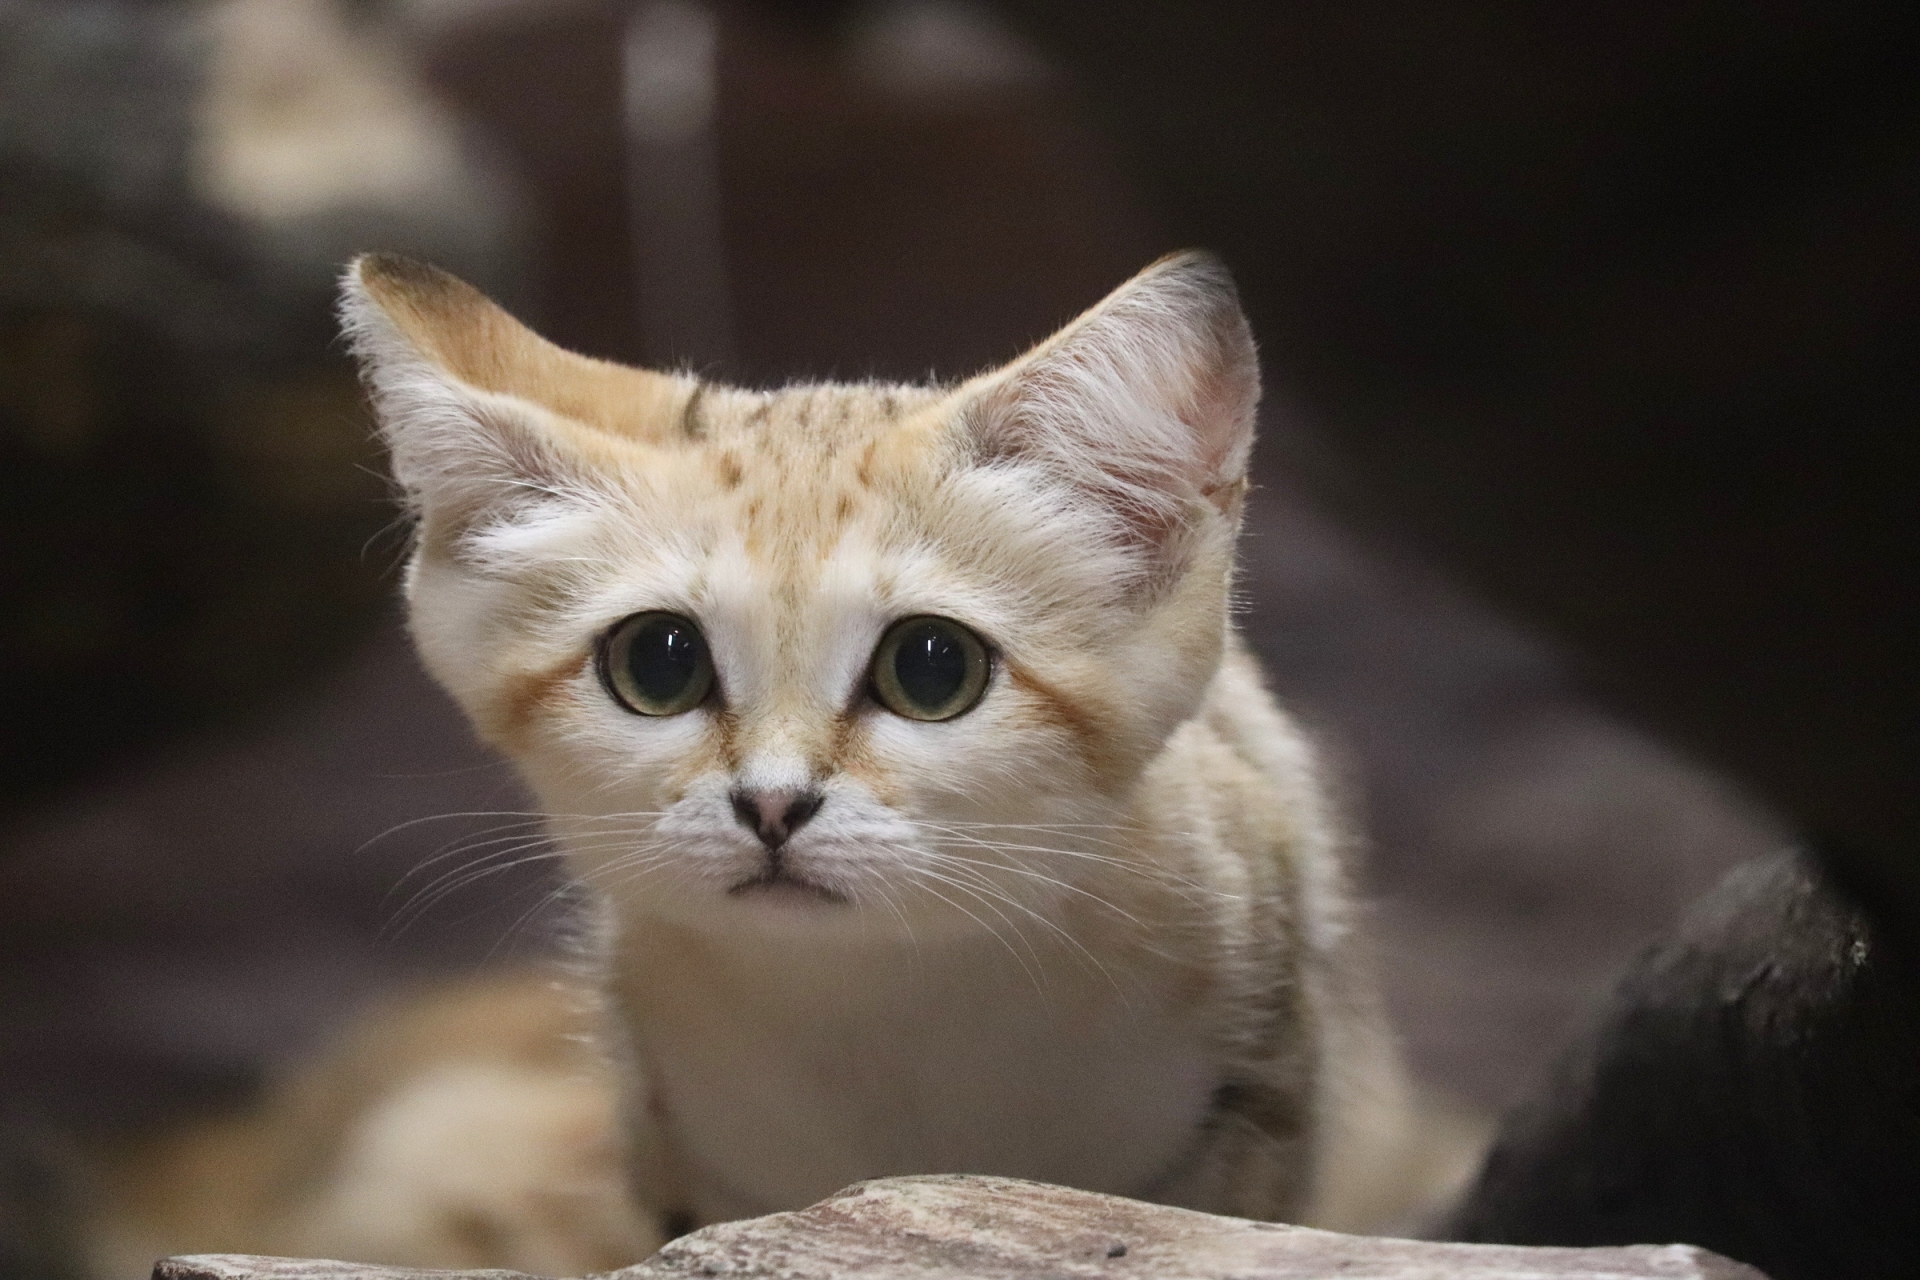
482, 346
1097, 930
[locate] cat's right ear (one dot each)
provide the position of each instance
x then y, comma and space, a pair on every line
486, 421
1143, 406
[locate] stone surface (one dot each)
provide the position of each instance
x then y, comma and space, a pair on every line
953, 1226
1749, 1087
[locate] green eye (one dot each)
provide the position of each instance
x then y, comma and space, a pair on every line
656, 664
929, 668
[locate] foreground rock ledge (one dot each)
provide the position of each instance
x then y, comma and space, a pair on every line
953, 1226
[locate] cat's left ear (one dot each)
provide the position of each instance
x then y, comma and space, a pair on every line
486, 420
1145, 403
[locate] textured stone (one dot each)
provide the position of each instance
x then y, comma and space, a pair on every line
954, 1226
1750, 1087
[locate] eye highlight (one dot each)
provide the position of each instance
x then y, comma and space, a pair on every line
656, 664
928, 668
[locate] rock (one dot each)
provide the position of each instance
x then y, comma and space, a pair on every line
971, 1226
1749, 1087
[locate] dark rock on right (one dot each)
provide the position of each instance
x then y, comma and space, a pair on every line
1751, 1088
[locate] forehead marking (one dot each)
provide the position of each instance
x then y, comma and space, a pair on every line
693, 423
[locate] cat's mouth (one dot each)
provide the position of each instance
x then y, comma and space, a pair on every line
779, 884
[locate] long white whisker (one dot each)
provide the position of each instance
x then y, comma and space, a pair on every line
500, 860
1157, 874
398, 827
1021, 869
922, 874
458, 847
519, 840
1068, 938
962, 886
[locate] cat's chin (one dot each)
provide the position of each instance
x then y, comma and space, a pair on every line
783, 889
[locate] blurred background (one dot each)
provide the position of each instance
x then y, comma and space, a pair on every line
1583, 521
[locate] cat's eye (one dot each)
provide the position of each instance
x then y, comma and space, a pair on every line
656, 664
929, 668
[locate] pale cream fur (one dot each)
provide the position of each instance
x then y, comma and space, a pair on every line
1095, 931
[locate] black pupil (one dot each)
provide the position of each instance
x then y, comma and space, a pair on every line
930, 665
663, 659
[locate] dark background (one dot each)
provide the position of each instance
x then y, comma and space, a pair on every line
1616, 306
1587, 457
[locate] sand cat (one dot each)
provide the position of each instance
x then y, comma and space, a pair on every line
941, 820
937, 818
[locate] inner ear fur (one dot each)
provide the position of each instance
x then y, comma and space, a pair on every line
1147, 400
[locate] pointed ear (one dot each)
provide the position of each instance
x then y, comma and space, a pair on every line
1145, 403
485, 418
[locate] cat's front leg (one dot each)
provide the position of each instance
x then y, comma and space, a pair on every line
1249, 1158
669, 1185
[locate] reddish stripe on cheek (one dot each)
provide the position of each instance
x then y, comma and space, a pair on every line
851, 754
726, 739
529, 696
1056, 710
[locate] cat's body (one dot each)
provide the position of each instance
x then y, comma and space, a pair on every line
1091, 927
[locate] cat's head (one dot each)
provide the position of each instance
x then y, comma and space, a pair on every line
880, 651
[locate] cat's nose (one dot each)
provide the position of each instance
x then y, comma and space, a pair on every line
775, 815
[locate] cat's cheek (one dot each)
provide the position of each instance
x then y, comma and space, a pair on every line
598, 757
670, 757
905, 763
864, 760
942, 772
1090, 734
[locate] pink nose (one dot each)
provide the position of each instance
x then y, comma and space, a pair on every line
775, 815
